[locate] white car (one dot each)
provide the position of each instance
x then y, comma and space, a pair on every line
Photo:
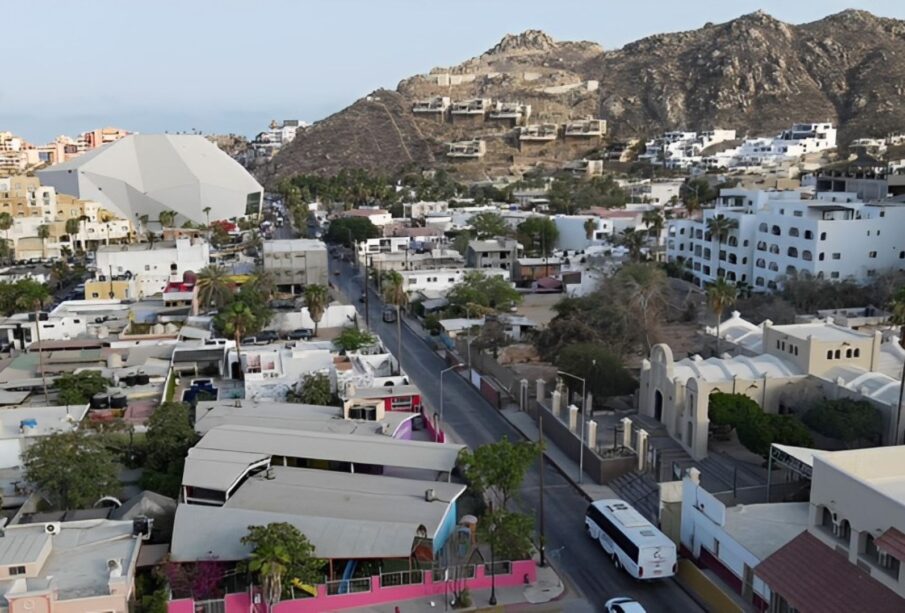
622, 604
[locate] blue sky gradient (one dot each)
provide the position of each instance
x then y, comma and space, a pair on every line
231, 66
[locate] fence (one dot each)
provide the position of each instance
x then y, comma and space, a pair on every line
210, 606
390, 588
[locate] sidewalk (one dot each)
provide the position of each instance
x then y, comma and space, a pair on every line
525, 424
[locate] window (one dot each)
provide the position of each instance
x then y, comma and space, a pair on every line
760, 263
762, 246
829, 354
823, 236
808, 234
762, 227
857, 352
775, 230
848, 353
837, 256
773, 266
796, 350
806, 256
837, 354
759, 282
872, 254
147, 267
821, 256
745, 243
797, 213
774, 249
793, 231
16, 570
792, 252
834, 274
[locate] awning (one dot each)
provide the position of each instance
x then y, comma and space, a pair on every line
813, 578
892, 542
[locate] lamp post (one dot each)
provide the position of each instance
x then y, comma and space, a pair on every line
584, 400
443, 372
542, 536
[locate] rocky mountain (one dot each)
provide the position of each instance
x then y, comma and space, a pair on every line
755, 74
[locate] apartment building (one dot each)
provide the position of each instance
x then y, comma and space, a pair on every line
496, 253
296, 263
778, 234
441, 280
851, 556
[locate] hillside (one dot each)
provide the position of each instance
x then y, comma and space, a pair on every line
755, 74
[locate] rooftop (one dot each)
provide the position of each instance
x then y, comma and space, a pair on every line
880, 468
813, 577
724, 369
764, 528
823, 331
293, 244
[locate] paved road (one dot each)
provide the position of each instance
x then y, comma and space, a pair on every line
472, 421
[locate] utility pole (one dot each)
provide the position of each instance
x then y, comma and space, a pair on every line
367, 292
542, 537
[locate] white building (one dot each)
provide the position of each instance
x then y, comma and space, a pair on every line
271, 371
443, 279
152, 266
780, 233
389, 244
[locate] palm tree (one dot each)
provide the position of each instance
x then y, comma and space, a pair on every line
316, 300
212, 286
33, 296
6, 222
271, 561
207, 213
43, 234
590, 226
236, 321
633, 240
719, 227
720, 296
897, 318
72, 229
653, 219
166, 218
151, 239
394, 293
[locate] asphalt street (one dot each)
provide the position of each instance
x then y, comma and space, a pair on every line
583, 565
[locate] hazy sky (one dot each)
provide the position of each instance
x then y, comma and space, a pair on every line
231, 66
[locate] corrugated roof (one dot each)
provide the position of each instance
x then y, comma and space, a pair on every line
815, 579
202, 532
216, 469
334, 447
22, 547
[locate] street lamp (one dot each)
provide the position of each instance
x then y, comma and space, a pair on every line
492, 601
583, 403
443, 372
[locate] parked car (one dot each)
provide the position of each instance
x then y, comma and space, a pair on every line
363, 297
300, 334
266, 336
389, 314
622, 604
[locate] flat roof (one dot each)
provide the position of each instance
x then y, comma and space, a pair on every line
334, 447
202, 532
822, 331
294, 244
764, 528
47, 420
324, 493
22, 547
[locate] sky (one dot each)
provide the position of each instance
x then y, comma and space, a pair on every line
231, 66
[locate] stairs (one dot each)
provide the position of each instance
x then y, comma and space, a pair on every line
640, 491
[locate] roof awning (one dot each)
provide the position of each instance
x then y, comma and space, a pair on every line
892, 542
812, 577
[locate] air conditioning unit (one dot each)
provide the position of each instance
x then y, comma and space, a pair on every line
52, 527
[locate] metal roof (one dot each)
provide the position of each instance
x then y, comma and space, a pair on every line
334, 447
22, 547
202, 532
218, 470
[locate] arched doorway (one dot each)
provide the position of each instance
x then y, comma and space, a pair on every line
658, 405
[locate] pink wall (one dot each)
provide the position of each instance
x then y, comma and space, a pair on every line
239, 603
431, 428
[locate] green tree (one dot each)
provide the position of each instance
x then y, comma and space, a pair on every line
720, 295
477, 288
394, 293
212, 286
281, 557
538, 234
78, 388
316, 389
633, 241
354, 229
352, 339
695, 192
850, 421
33, 296
170, 436
509, 533
720, 227
756, 430
489, 224
73, 225
166, 218
316, 297
6, 222
44, 234
654, 221
71, 469
498, 469
235, 321
590, 227
207, 215
602, 371
492, 336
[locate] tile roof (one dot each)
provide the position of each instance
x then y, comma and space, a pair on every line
893, 542
813, 578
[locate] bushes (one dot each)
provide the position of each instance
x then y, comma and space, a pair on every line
846, 420
603, 371
756, 430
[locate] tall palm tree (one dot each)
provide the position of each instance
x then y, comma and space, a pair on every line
590, 226
207, 213
212, 286
720, 227
316, 300
72, 229
43, 234
271, 561
394, 293
897, 318
720, 295
6, 222
33, 296
654, 221
166, 218
237, 320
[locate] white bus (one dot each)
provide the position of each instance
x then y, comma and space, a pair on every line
631, 541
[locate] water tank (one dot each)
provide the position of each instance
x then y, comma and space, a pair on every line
118, 401
157, 329
142, 378
100, 401
114, 360
171, 328
129, 380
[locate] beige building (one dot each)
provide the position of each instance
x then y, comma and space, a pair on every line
782, 368
850, 558
68, 567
